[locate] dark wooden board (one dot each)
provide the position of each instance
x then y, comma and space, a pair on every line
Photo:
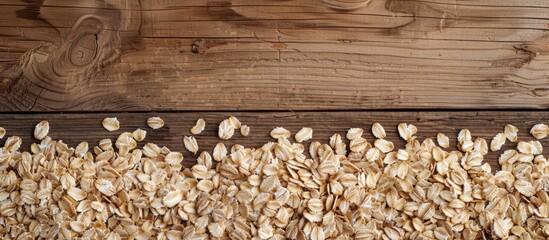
122, 55
73, 128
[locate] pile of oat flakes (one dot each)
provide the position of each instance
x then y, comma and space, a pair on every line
350, 188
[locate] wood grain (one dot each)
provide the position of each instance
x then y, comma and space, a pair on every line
122, 55
73, 128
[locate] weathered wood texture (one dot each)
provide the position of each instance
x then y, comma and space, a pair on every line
74, 128
266, 55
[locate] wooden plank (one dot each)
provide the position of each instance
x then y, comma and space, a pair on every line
119, 55
73, 128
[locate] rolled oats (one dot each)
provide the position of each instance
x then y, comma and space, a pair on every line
531, 147
155, 122
41, 130
304, 134
420, 191
354, 133
190, 144
219, 152
378, 130
172, 198
226, 129
280, 132
511, 132
139, 134
244, 130
540, 131
384, 145
174, 158
111, 124
235, 122
265, 232
443, 140
198, 127
497, 142
406, 131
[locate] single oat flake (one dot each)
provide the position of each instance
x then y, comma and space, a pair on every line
497, 142
280, 132
111, 124
540, 131
155, 122
354, 133
41, 130
443, 140
219, 152
378, 131
406, 131
304, 134
511, 132
226, 129
235, 122
139, 134
244, 130
198, 127
190, 144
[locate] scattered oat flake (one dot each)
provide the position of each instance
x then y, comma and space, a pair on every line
406, 131
219, 152
174, 158
378, 131
244, 130
235, 122
540, 131
511, 132
190, 144
226, 129
111, 124
139, 134
354, 133
384, 145
198, 127
443, 140
2, 132
151, 150
530, 147
480, 145
155, 122
359, 145
280, 132
304, 134
41, 130
497, 142
464, 136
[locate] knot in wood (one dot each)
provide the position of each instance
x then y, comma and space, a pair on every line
83, 50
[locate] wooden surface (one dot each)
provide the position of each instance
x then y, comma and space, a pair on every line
124, 55
74, 128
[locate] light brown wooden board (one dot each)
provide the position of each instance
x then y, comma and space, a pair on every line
74, 128
120, 55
